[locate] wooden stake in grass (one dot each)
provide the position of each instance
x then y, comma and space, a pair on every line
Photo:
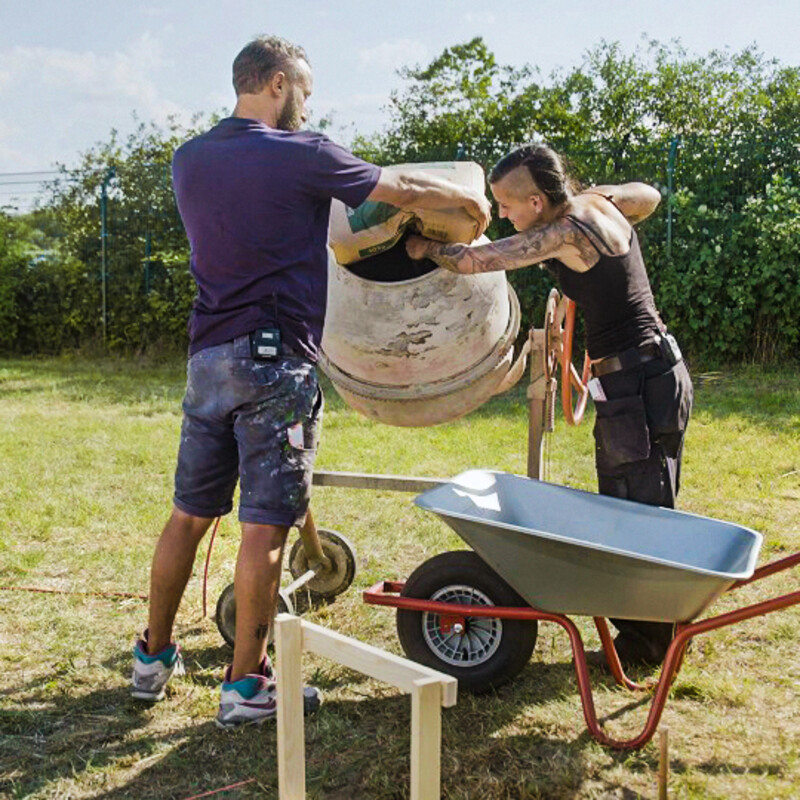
663, 762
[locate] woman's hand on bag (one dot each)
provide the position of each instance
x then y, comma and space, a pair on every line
417, 247
447, 256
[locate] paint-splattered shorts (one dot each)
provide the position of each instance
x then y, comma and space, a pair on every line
253, 421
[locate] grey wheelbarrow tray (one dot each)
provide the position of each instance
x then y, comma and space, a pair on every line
573, 552
566, 551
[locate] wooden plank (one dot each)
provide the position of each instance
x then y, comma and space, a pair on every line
368, 660
291, 732
390, 483
426, 739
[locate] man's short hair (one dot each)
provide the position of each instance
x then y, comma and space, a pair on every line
261, 59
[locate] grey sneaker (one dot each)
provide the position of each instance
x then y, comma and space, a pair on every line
254, 699
152, 673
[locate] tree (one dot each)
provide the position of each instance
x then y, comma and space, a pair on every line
718, 134
149, 288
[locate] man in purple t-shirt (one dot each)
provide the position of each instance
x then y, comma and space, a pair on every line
254, 193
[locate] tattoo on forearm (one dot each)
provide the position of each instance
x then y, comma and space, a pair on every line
521, 250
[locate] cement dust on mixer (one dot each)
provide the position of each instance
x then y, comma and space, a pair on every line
405, 342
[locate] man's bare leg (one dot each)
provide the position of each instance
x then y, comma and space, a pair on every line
170, 572
256, 582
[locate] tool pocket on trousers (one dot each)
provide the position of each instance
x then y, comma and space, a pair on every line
668, 398
620, 432
303, 436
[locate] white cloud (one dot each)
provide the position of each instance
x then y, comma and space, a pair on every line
154, 11
393, 55
63, 101
360, 100
12, 157
219, 100
120, 79
480, 17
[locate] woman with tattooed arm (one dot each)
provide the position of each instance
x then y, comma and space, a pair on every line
641, 387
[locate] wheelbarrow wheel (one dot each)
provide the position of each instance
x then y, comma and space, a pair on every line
483, 653
327, 583
225, 615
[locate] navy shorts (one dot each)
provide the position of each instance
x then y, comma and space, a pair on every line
249, 420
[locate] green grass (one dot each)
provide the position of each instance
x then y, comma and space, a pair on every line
87, 451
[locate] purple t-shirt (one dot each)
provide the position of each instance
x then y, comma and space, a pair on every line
255, 203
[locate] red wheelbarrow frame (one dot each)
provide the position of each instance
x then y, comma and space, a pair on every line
385, 593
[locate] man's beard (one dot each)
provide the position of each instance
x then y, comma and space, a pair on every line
290, 118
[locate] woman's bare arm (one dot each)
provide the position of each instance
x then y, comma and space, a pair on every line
637, 201
521, 250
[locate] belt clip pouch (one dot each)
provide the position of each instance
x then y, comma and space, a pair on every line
670, 351
265, 343
620, 431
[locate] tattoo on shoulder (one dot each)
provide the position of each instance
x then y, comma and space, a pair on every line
577, 239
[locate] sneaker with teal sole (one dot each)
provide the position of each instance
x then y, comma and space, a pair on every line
151, 673
253, 699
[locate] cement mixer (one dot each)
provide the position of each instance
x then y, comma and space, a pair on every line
405, 342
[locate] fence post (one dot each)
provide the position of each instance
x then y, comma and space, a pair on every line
110, 173
673, 152
148, 249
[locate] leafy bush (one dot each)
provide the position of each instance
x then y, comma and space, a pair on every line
731, 289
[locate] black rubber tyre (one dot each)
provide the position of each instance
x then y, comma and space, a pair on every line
225, 615
339, 577
489, 652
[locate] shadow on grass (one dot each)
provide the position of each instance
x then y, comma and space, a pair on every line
65, 736
767, 397
106, 745
359, 749
716, 767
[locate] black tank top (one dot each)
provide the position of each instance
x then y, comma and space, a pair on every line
614, 296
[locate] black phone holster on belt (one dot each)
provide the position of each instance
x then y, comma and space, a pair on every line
265, 344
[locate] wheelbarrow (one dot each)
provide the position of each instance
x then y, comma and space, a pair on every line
474, 614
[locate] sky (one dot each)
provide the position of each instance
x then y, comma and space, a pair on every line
71, 70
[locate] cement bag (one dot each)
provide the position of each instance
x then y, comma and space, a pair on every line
372, 228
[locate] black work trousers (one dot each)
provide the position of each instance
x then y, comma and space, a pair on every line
639, 432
